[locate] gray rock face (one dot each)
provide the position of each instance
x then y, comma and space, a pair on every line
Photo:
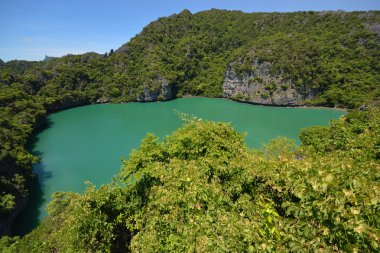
258, 86
370, 23
162, 91
375, 28
102, 100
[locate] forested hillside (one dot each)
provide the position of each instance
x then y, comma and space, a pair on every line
314, 58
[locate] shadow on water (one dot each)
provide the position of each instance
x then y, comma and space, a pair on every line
28, 219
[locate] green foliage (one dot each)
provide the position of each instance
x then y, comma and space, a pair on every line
91, 222
7, 203
335, 70
331, 56
202, 190
357, 134
9, 244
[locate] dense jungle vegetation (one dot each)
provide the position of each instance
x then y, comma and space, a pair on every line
320, 195
202, 190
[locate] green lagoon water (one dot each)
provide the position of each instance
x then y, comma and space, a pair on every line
87, 143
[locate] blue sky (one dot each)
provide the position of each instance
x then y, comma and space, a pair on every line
31, 29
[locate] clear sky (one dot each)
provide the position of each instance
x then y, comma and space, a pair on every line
31, 29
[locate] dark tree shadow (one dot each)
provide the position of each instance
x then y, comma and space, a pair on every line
28, 218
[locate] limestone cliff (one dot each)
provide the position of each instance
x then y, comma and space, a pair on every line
161, 90
256, 84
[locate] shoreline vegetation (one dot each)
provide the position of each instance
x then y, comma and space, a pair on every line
326, 58
237, 101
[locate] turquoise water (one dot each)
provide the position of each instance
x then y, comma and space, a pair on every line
87, 143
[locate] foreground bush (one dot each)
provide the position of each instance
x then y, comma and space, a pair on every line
202, 190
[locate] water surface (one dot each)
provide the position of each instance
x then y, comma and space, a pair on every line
87, 143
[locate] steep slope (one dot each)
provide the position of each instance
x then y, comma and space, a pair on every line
327, 58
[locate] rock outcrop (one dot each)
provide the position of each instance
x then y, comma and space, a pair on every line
103, 100
258, 86
161, 91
